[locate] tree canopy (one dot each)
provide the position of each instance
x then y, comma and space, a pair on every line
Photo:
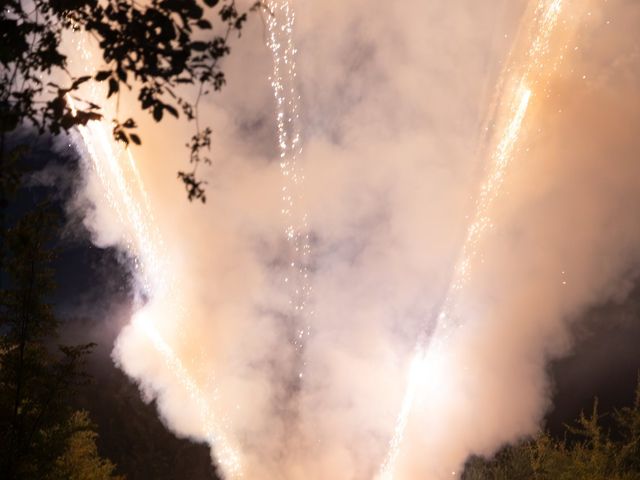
153, 48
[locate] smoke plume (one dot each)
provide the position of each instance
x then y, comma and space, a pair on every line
397, 104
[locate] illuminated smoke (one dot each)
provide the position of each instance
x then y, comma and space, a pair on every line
126, 195
226, 321
143, 242
431, 342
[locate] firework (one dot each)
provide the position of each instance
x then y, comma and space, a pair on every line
280, 23
517, 97
124, 190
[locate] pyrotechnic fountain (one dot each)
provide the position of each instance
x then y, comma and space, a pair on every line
280, 23
519, 89
124, 190
126, 195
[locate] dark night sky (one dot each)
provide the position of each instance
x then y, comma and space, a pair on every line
93, 298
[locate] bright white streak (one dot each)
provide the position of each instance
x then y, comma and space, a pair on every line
227, 456
151, 267
427, 347
145, 243
424, 352
280, 23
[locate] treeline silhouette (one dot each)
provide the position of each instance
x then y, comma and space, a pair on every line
596, 446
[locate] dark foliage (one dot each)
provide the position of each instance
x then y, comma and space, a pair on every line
152, 48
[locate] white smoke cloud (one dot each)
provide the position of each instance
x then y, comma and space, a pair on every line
395, 96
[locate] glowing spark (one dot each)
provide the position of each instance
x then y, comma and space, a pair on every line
227, 456
280, 42
501, 157
151, 267
145, 245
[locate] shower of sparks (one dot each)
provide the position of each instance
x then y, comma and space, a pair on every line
280, 23
130, 201
518, 100
227, 456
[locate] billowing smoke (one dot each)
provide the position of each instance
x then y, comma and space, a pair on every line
395, 98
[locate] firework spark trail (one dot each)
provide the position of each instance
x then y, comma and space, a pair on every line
280, 23
429, 344
151, 267
227, 456
130, 201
